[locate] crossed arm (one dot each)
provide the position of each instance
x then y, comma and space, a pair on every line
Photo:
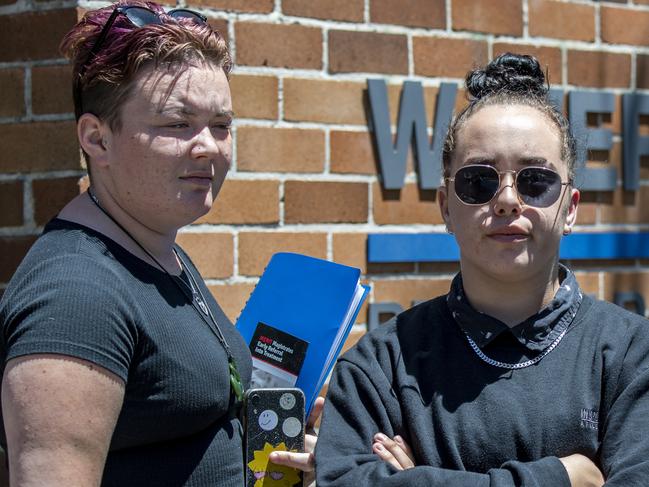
343, 460
395, 451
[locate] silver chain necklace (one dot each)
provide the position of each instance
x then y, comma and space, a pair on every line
538, 358
520, 365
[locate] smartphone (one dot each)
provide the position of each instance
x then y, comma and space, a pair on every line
273, 421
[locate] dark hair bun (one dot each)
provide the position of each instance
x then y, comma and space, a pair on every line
510, 73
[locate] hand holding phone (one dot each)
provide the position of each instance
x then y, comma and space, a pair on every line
273, 421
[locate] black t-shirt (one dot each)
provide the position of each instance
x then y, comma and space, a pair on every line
79, 293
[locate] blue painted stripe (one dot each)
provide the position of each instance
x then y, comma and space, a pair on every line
441, 247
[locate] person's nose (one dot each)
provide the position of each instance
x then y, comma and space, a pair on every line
210, 143
507, 201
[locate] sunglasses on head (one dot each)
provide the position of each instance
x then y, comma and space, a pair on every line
477, 184
139, 17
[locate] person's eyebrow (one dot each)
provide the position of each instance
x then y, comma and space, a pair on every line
184, 110
486, 160
533, 161
225, 114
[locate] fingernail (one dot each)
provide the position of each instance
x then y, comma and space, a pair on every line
398, 439
380, 437
378, 446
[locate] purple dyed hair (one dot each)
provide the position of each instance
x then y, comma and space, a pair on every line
106, 79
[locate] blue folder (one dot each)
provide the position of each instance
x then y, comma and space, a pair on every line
312, 299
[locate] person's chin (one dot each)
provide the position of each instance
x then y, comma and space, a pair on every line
194, 205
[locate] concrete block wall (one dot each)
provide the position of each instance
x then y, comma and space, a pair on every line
304, 176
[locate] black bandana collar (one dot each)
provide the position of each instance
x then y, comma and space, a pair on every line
536, 332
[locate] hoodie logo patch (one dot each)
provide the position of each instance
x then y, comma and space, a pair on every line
589, 419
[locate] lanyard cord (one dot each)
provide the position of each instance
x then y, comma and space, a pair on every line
203, 311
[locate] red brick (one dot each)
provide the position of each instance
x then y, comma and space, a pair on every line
325, 202
280, 149
413, 13
405, 291
587, 209
13, 249
624, 26
351, 249
548, 57
260, 6
626, 282
353, 51
254, 96
39, 146
344, 10
52, 89
11, 202
34, 35
592, 265
12, 102
256, 248
405, 206
491, 16
245, 202
212, 253
588, 281
361, 317
430, 100
642, 71
561, 20
284, 46
51, 195
599, 69
352, 152
232, 297
631, 207
439, 267
311, 100
448, 58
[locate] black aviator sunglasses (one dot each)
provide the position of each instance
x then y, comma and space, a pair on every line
139, 17
477, 184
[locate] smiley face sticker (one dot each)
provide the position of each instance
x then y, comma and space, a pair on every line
268, 420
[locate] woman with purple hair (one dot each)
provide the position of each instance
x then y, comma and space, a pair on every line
119, 367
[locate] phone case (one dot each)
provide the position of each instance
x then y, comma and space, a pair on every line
273, 421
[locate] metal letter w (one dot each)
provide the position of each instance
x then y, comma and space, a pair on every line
412, 116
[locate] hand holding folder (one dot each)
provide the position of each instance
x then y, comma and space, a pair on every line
297, 320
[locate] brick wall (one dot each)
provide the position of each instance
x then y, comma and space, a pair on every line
304, 176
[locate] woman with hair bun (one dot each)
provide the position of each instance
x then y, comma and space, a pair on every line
515, 377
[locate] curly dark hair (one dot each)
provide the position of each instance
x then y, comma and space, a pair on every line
510, 79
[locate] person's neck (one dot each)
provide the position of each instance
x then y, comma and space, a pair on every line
511, 301
159, 244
